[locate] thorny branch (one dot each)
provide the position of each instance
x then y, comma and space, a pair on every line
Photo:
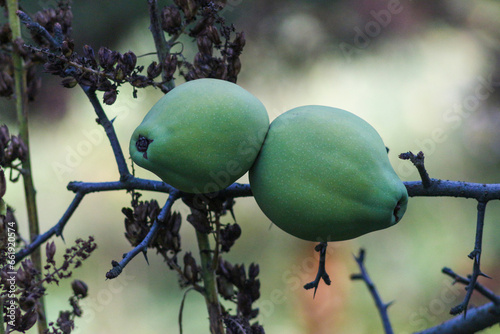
143, 246
462, 189
475, 255
381, 306
478, 287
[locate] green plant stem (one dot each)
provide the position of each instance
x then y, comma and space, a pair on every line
22, 118
210, 284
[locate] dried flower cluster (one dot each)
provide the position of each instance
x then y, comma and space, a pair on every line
106, 70
54, 21
138, 222
23, 287
233, 281
247, 291
12, 148
211, 33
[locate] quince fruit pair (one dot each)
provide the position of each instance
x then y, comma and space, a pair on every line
319, 173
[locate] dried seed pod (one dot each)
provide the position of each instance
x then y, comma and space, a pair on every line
204, 45
213, 35
154, 70
80, 288
171, 19
110, 97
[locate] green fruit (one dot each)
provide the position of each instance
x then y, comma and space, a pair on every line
201, 136
323, 175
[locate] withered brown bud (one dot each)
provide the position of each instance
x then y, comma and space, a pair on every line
109, 97
104, 54
238, 275
253, 271
189, 7
190, 268
221, 71
239, 41
28, 320
21, 277
153, 210
80, 288
27, 302
154, 70
204, 45
4, 135
170, 66
213, 35
171, 19
129, 59
140, 81
50, 251
229, 234
88, 52
200, 59
175, 222
199, 220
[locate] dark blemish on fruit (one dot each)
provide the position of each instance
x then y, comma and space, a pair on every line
396, 210
142, 145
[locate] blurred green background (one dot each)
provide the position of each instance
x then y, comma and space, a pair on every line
425, 74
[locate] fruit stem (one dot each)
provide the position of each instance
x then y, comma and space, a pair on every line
322, 274
20, 93
210, 284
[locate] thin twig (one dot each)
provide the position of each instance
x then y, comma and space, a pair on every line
381, 306
144, 244
418, 161
475, 255
446, 188
478, 318
37, 29
110, 132
478, 287
55, 230
129, 184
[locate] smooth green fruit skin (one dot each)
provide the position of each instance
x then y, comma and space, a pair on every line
205, 134
323, 174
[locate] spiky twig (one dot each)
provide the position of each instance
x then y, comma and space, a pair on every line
381, 306
475, 255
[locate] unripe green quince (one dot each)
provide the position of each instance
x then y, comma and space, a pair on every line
323, 174
201, 136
